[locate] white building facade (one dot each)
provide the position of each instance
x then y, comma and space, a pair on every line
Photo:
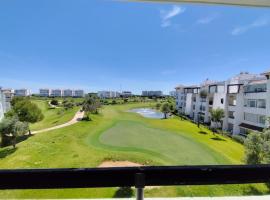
244, 98
108, 94
126, 94
152, 93
22, 92
56, 93
78, 93
4, 104
67, 93
44, 92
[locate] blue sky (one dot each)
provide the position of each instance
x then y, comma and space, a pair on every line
103, 44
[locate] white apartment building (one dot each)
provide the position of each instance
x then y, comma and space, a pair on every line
44, 92
108, 94
9, 94
56, 93
244, 98
126, 94
78, 93
2, 105
22, 92
152, 93
67, 93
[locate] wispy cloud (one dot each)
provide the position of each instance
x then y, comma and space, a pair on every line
167, 15
260, 22
207, 19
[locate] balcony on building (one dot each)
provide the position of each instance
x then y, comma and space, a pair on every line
256, 87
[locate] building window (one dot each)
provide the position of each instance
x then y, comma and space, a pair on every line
262, 119
231, 114
255, 103
222, 101
258, 119
233, 89
261, 103
255, 88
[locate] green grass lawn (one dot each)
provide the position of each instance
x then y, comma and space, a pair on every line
52, 117
119, 135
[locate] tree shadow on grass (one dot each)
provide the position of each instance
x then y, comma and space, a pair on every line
22, 138
123, 192
203, 132
55, 121
217, 138
251, 190
6, 152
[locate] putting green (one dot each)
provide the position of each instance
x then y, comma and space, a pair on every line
171, 147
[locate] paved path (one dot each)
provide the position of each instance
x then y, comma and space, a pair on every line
77, 117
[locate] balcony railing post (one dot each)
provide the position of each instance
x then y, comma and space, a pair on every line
139, 185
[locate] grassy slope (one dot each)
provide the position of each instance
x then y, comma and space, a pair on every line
79, 146
51, 116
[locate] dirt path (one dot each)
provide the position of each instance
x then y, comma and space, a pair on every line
77, 117
119, 164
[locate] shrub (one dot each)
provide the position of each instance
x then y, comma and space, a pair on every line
238, 138
54, 102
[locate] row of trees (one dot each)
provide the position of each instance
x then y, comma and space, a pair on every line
16, 121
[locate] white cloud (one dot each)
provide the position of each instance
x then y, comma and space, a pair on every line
166, 16
260, 22
207, 19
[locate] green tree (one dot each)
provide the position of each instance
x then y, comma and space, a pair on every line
158, 105
91, 105
257, 148
11, 128
172, 107
253, 148
216, 116
68, 104
26, 111
54, 102
165, 108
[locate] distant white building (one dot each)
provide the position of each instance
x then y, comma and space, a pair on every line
4, 105
78, 93
152, 93
172, 94
126, 94
22, 92
44, 92
244, 98
108, 94
56, 93
67, 93
9, 94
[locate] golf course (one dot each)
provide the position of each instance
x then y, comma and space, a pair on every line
116, 134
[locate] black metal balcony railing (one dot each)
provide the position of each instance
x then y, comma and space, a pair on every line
133, 176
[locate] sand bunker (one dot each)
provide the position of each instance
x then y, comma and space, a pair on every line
119, 164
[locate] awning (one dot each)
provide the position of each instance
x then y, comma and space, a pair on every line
251, 127
256, 3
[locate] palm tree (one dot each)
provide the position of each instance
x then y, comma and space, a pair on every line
216, 116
